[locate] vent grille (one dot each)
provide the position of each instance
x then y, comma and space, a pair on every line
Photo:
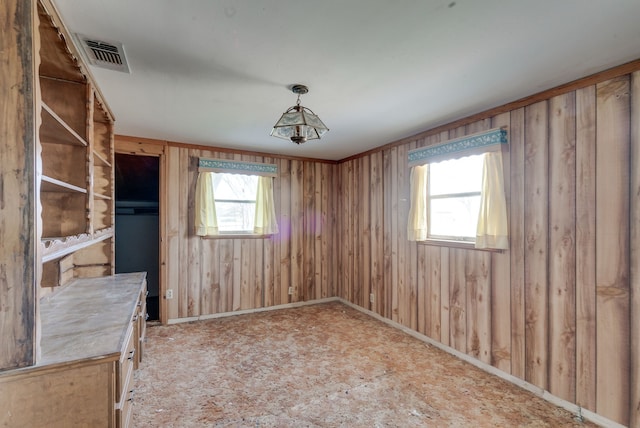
104, 54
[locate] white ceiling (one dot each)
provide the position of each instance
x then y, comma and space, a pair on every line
217, 72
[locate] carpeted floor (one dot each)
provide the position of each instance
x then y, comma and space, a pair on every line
325, 365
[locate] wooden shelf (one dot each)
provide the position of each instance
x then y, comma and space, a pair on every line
54, 248
101, 159
55, 130
49, 184
99, 196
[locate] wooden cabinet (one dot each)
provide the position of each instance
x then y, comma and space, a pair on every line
76, 175
91, 343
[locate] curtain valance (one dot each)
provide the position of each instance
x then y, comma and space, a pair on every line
464, 146
237, 167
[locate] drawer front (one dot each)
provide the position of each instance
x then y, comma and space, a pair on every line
124, 409
126, 363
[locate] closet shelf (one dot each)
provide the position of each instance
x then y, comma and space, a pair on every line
49, 184
101, 159
55, 130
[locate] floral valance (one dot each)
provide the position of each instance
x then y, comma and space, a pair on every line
237, 167
464, 146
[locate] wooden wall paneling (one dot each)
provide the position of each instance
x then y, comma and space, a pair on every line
310, 216
562, 250
377, 231
297, 230
387, 308
19, 89
365, 234
323, 234
346, 278
585, 268
392, 212
478, 301
173, 230
266, 248
334, 248
226, 275
433, 277
285, 232
634, 404
536, 233
501, 274
612, 248
403, 278
182, 294
478, 288
411, 266
457, 300
318, 217
445, 298
247, 267
517, 241
272, 293
193, 242
354, 235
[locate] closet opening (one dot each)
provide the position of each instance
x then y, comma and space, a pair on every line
137, 228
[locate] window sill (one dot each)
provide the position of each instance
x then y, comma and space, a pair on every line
236, 236
457, 244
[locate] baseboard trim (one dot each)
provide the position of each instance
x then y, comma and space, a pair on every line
254, 311
578, 411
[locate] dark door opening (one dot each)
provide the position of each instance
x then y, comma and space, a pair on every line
137, 181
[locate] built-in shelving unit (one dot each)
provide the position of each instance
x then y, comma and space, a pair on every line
76, 181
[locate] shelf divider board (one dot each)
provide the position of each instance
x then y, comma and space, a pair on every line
55, 130
52, 185
99, 196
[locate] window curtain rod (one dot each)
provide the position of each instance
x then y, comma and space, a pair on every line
237, 167
458, 147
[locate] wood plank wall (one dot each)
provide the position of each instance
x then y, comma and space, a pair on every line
560, 309
18, 94
211, 276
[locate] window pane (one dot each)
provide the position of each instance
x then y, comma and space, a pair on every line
235, 186
235, 216
456, 176
454, 217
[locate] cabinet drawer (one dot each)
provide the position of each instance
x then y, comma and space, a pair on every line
124, 409
125, 364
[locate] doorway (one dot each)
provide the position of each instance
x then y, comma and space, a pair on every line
137, 182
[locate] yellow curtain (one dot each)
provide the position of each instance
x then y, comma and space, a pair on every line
206, 220
417, 224
265, 219
492, 230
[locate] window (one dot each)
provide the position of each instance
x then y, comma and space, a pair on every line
453, 195
457, 191
235, 200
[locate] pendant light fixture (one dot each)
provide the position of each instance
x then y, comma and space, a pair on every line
299, 123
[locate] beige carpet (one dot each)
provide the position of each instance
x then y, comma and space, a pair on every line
325, 365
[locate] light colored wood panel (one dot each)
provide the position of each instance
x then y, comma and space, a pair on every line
434, 303
193, 243
500, 275
562, 250
424, 291
285, 232
182, 198
311, 218
392, 213
586, 248
64, 214
173, 231
445, 297
457, 301
297, 230
517, 242
66, 163
387, 244
365, 231
133, 146
323, 237
377, 231
478, 301
354, 234
634, 212
612, 249
536, 231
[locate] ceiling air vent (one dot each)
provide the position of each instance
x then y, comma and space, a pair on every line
104, 54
